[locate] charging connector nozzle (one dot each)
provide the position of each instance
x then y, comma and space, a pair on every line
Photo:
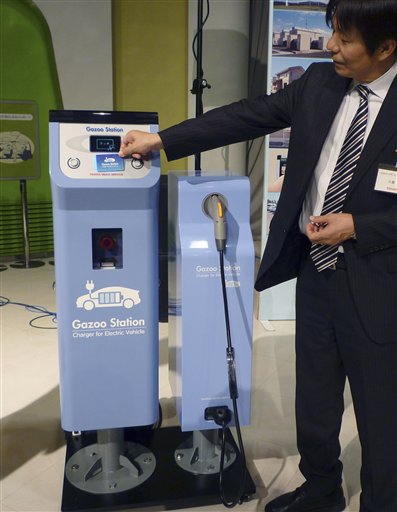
215, 207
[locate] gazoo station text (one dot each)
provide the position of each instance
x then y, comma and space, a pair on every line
113, 322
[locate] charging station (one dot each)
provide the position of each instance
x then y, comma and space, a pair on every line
199, 373
106, 211
200, 369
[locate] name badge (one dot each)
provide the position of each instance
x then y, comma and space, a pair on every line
386, 179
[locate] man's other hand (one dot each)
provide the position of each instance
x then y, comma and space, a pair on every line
331, 229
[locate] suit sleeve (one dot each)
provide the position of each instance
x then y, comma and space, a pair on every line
239, 121
376, 231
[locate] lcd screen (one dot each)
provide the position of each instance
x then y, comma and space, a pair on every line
104, 143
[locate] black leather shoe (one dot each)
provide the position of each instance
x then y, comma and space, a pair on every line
300, 501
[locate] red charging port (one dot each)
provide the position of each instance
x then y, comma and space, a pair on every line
107, 242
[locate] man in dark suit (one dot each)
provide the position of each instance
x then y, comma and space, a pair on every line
335, 229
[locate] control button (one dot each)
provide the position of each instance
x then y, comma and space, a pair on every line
74, 163
136, 163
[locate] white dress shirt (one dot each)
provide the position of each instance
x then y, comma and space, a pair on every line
314, 199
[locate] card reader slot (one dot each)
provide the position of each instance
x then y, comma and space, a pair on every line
107, 248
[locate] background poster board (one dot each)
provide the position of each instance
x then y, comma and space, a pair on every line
298, 36
19, 140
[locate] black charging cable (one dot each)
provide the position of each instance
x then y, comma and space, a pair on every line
233, 391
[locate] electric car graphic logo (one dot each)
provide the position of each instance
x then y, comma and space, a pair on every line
111, 296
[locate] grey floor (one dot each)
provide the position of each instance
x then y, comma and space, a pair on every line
32, 443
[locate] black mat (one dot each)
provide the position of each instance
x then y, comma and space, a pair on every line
170, 486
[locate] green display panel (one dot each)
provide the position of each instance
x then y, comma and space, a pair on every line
19, 140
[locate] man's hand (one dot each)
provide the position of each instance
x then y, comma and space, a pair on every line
331, 229
138, 144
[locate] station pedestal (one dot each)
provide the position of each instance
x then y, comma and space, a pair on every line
170, 486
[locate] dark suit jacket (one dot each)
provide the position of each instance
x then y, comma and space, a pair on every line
308, 106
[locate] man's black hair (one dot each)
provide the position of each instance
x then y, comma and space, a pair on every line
376, 20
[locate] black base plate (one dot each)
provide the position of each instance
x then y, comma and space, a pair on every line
170, 486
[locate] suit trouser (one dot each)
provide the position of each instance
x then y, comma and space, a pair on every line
331, 344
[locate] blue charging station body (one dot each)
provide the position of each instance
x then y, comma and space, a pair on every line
197, 333
105, 211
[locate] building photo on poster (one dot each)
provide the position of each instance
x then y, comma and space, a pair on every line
298, 37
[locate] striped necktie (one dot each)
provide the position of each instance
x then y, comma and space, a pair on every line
325, 256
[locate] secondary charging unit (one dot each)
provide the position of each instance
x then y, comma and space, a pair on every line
209, 215
105, 212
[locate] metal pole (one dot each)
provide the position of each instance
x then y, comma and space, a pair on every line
22, 186
111, 446
206, 442
28, 263
199, 75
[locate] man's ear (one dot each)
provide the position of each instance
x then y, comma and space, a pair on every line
387, 48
